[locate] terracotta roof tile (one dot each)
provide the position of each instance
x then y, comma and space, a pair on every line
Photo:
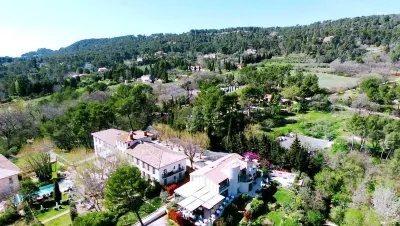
155, 155
7, 168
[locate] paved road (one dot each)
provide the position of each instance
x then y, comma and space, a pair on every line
162, 221
54, 217
313, 142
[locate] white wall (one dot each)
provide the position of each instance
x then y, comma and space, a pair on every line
147, 171
6, 186
102, 146
169, 168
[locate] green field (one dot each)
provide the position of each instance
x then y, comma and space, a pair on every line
276, 216
331, 81
64, 220
315, 124
284, 197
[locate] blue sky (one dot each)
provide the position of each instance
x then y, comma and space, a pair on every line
26, 25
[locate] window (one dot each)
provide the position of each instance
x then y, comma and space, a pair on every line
165, 181
10, 180
180, 175
165, 171
179, 166
154, 170
174, 167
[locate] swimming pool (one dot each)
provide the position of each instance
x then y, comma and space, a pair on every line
44, 190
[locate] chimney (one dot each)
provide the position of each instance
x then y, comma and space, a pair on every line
131, 135
145, 133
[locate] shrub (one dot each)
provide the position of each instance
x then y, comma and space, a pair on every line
170, 188
73, 211
95, 219
164, 196
173, 215
153, 191
256, 207
9, 216
314, 218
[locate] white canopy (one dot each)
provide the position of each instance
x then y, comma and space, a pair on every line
186, 201
188, 189
194, 205
213, 201
200, 193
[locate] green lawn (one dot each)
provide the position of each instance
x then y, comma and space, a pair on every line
64, 220
315, 124
145, 209
55, 167
283, 196
50, 212
276, 216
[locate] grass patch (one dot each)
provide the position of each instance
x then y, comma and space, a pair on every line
64, 220
55, 167
315, 124
50, 212
283, 196
77, 154
145, 209
276, 216
331, 81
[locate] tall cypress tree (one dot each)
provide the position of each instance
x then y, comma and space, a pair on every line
265, 147
292, 154
56, 192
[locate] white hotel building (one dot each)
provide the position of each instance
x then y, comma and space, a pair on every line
208, 186
154, 161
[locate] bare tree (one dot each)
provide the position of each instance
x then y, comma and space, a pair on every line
11, 122
190, 149
360, 196
94, 175
386, 202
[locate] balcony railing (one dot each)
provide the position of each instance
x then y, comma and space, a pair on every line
173, 172
223, 187
245, 178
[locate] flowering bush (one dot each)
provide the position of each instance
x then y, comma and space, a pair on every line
251, 155
170, 188
177, 218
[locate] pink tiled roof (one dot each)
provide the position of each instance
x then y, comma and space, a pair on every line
215, 171
155, 155
109, 135
7, 168
137, 135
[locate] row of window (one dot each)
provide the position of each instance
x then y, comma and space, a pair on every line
144, 165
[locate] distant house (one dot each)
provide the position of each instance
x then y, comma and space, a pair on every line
268, 97
328, 38
250, 51
80, 75
87, 66
154, 161
195, 68
210, 56
102, 69
238, 66
139, 59
145, 78
208, 186
159, 53
9, 182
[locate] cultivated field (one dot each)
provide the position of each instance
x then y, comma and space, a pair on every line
336, 82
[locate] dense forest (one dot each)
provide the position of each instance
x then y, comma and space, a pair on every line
40, 72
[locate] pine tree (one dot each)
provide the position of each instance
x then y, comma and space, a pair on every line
164, 76
265, 147
294, 151
56, 192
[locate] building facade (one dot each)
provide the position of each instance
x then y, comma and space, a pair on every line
9, 181
154, 161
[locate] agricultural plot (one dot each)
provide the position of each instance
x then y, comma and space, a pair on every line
336, 82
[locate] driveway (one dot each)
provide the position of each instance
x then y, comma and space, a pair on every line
307, 141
